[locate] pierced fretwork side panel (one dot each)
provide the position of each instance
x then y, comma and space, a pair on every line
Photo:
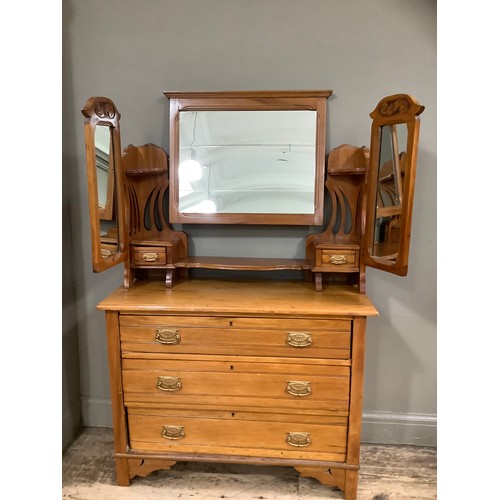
148, 213
345, 193
146, 176
147, 187
345, 196
345, 185
133, 210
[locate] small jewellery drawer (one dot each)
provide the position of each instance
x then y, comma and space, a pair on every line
248, 336
339, 258
233, 381
232, 433
149, 256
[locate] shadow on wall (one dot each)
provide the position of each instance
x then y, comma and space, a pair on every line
71, 409
71, 406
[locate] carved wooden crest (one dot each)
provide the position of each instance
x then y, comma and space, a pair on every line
101, 109
396, 108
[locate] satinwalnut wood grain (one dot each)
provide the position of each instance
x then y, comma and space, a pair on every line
213, 335
231, 399
331, 476
243, 264
206, 433
142, 466
356, 404
257, 298
117, 403
250, 383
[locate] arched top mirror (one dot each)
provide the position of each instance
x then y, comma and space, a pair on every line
391, 182
102, 144
247, 157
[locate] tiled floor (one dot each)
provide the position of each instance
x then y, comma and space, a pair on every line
387, 472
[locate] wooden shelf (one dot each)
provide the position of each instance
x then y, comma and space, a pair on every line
243, 264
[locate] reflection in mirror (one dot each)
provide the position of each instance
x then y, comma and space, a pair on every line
390, 193
103, 140
109, 239
247, 162
103, 149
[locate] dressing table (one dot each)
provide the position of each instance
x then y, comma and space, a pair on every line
263, 372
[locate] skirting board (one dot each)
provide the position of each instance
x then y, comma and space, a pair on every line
418, 429
96, 412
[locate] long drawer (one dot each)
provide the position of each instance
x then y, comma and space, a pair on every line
248, 336
257, 435
247, 382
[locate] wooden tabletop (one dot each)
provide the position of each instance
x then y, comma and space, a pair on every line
261, 298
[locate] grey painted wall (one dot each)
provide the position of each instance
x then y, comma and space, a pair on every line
364, 50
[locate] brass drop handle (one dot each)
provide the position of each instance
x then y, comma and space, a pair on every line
169, 336
150, 257
298, 387
299, 339
169, 384
338, 259
299, 439
173, 432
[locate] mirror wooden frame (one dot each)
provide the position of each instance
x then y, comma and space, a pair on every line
102, 111
252, 101
393, 110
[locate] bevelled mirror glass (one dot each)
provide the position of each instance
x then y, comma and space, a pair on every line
247, 158
105, 171
391, 166
393, 156
102, 143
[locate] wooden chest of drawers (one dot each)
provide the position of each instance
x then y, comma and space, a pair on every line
260, 373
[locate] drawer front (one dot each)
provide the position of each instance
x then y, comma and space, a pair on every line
260, 337
258, 384
148, 256
108, 249
256, 436
339, 258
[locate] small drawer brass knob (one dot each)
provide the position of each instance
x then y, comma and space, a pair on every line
169, 336
299, 339
299, 439
298, 387
169, 384
338, 259
173, 432
150, 257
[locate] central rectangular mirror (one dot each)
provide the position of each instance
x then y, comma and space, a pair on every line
247, 158
247, 162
